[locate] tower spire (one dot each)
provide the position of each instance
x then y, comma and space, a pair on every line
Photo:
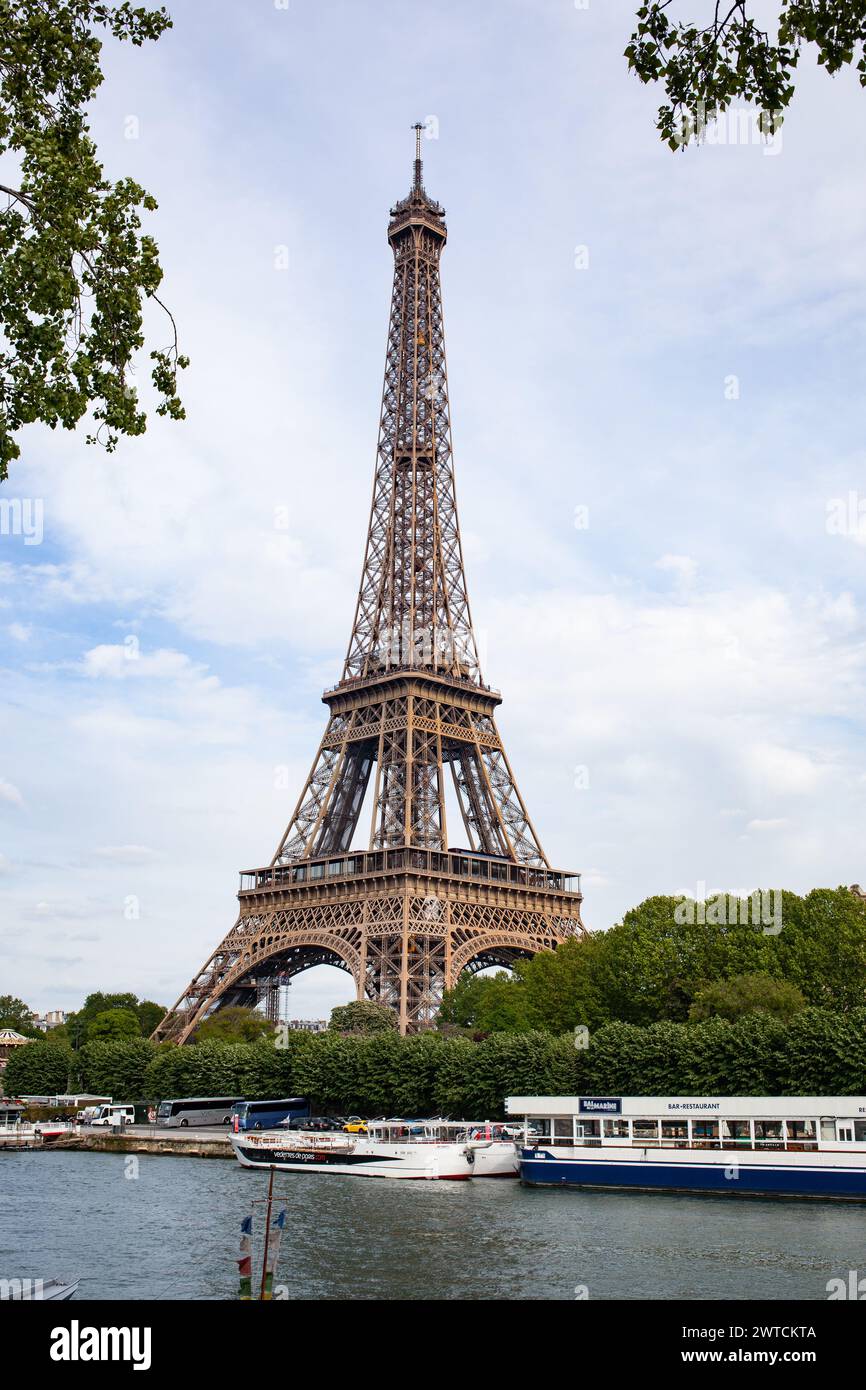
416, 185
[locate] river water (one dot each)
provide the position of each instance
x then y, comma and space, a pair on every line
139, 1226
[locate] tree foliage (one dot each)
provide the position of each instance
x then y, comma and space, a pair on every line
113, 1024
652, 966
725, 55
815, 1052
234, 1024
747, 994
37, 1070
82, 1026
363, 1016
486, 1004
14, 1013
115, 1068
75, 268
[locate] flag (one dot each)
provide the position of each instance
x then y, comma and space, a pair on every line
245, 1259
274, 1251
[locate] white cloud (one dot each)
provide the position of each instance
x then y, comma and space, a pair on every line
682, 566
126, 854
128, 662
10, 794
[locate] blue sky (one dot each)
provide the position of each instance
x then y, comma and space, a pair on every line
695, 653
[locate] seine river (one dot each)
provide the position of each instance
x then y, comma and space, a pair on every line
162, 1227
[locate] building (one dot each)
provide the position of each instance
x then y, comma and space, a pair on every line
53, 1019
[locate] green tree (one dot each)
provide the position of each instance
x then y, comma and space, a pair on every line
234, 1024
821, 947
37, 1070
149, 1015
562, 987
486, 1004
14, 1013
363, 1016
747, 994
116, 1068
113, 1023
650, 965
726, 55
75, 268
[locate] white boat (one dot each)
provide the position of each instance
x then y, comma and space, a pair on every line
385, 1151
497, 1152
771, 1146
38, 1290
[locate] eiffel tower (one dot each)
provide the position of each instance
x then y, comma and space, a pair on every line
406, 912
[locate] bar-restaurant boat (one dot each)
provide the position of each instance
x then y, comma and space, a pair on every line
385, 1151
779, 1146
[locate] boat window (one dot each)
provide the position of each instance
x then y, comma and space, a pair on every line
705, 1129
615, 1129
768, 1131
645, 1129
736, 1129
860, 1131
846, 1133
538, 1128
588, 1129
563, 1127
799, 1130
675, 1129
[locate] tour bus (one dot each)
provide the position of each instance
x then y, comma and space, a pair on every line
196, 1111
265, 1114
112, 1115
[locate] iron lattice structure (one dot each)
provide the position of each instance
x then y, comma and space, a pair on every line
405, 914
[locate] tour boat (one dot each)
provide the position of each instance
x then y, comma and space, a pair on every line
773, 1146
385, 1151
497, 1154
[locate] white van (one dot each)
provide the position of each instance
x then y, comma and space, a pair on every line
112, 1115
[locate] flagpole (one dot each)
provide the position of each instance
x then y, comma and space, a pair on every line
267, 1231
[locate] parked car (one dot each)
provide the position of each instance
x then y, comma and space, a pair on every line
355, 1125
318, 1123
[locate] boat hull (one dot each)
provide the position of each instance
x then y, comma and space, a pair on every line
726, 1172
365, 1159
496, 1161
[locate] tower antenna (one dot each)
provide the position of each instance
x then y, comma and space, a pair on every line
417, 127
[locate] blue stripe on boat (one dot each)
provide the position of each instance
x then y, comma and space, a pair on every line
695, 1177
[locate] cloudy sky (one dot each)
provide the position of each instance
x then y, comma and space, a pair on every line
656, 371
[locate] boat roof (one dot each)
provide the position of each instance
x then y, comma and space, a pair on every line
674, 1107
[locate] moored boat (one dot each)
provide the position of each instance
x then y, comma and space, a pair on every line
777, 1146
38, 1290
385, 1151
497, 1153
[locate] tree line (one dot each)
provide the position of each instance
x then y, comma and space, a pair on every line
815, 1053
